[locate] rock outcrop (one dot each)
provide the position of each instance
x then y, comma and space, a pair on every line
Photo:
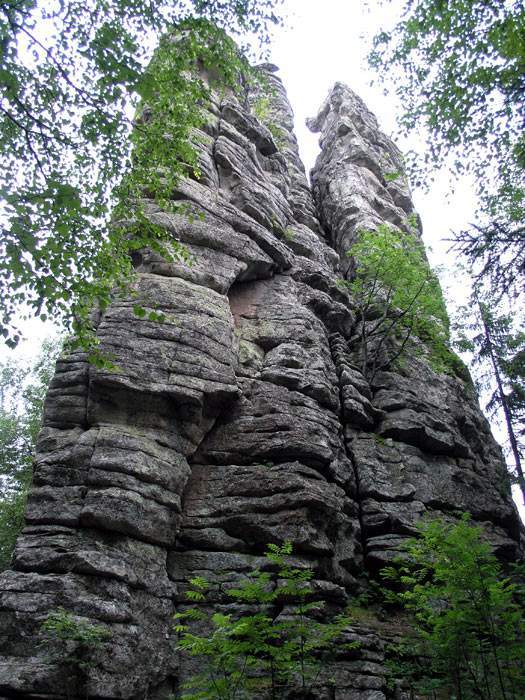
243, 418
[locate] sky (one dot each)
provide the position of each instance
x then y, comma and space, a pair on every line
318, 48
328, 41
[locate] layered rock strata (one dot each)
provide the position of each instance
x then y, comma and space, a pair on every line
243, 418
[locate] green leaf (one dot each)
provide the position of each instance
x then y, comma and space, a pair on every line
73, 160
139, 311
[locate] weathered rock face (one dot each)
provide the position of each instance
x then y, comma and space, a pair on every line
243, 418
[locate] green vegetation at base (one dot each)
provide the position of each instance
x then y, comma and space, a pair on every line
458, 616
467, 614
273, 643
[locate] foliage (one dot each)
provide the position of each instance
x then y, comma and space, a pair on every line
71, 75
278, 133
75, 639
495, 251
267, 645
459, 71
12, 508
498, 358
262, 108
391, 176
396, 294
378, 439
22, 393
467, 614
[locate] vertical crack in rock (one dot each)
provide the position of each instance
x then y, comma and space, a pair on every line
356, 412
242, 419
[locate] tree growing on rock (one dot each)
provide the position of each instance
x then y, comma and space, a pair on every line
398, 300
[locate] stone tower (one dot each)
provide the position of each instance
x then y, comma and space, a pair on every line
243, 419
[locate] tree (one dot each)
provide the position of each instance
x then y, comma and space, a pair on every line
398, 299
261, 648
22, 394
460, 72
72, 73
467, 614
498, 354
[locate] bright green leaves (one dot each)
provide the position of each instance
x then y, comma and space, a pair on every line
198, 587
74, 640
112, 51
71, 74
466, 612
61, 198
398, 298
262, 108
459, 71
392, 176
259, 647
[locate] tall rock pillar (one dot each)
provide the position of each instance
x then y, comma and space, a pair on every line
243, 418
428, 449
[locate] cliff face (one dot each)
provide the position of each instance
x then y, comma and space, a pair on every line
243, 419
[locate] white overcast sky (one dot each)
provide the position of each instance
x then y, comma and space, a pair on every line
328, 41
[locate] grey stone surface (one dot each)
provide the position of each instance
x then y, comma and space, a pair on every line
242, 419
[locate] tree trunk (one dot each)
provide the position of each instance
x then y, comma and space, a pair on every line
504, 405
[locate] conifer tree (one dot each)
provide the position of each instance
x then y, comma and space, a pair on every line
498, 358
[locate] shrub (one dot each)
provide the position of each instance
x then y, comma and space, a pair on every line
398, 299
258, 648
467, 614
74, 642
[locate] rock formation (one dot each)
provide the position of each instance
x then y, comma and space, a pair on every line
242, 419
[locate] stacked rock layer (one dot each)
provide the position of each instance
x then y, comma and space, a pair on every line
242, 419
